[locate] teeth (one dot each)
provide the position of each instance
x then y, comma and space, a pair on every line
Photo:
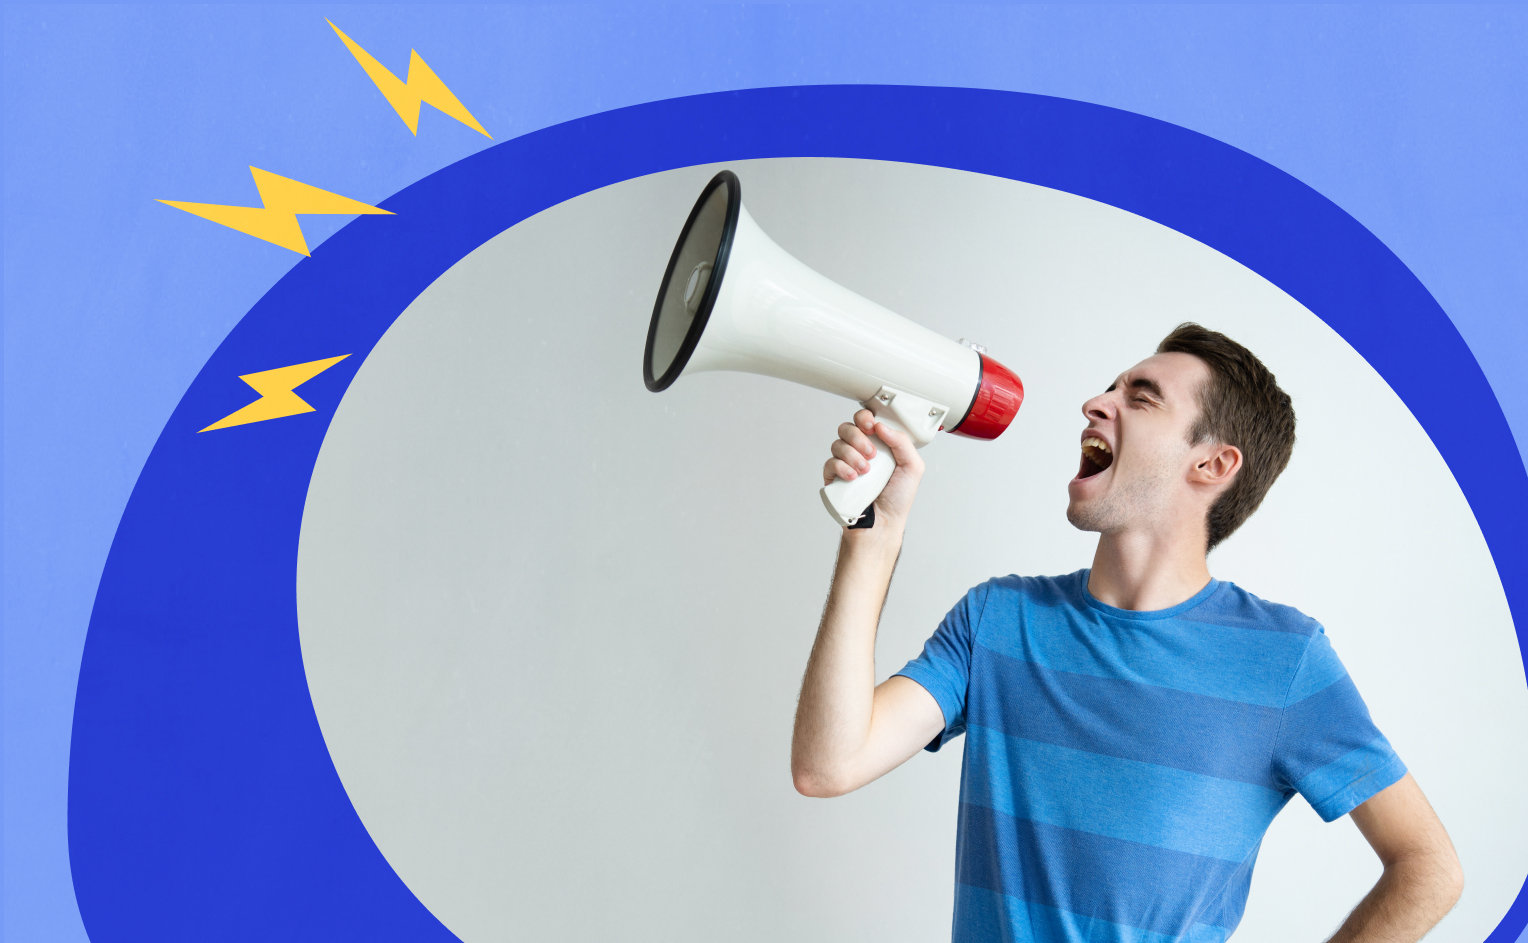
1095, 456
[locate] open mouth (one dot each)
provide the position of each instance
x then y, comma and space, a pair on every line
1095, 457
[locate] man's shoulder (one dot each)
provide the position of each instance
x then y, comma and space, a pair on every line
1231, 605
1064, 589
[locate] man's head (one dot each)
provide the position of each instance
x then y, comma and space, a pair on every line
1200, 430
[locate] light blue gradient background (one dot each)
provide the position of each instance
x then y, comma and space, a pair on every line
1413, 119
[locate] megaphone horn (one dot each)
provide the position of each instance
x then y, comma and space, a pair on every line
732, 299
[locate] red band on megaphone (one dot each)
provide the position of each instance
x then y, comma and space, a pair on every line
997, 400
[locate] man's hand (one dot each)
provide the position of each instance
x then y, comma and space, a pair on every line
852, 451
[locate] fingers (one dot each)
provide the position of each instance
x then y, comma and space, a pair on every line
852, 450
856, 438
865, 419
867, 442
835, 469
851, 456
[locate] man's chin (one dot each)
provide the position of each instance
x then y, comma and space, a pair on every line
1079, 518
1096, 514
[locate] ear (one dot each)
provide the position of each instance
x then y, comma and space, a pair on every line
1218, 466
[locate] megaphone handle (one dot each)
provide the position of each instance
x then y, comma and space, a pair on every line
847, 500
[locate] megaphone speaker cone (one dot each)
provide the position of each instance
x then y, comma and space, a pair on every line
691, 281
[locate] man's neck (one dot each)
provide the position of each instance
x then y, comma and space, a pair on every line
1146, 572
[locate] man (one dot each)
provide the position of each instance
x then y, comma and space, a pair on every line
1133, 728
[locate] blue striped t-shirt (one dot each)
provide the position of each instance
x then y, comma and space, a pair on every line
1122, 767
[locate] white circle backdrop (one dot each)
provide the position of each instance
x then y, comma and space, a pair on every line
554, 625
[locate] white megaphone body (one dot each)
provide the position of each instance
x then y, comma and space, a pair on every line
732, 299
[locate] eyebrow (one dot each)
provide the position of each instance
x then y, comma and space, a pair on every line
1141, 383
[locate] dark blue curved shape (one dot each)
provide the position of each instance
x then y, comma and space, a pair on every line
202, 800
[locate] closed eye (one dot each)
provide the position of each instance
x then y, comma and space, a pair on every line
1143, 390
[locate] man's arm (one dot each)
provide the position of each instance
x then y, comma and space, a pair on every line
849, 730
1422, 879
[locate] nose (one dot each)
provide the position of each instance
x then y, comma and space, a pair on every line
1099, 407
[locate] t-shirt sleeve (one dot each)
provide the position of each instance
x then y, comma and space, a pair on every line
1328, 748
944, 667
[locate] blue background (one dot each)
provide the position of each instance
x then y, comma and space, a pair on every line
1411, 119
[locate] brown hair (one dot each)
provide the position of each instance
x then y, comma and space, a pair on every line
1241, 405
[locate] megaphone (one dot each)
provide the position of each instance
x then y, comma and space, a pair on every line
732, 299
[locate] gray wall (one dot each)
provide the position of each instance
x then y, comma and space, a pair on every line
554, 625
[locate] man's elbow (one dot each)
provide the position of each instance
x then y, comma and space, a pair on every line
1438, 878
1453, 879
815, 785
1447, 875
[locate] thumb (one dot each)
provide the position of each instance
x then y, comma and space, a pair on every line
900, 443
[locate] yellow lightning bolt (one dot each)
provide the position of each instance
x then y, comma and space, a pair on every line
423, 85
276, 397
276, 220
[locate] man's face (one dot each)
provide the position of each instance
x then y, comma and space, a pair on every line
1136, 457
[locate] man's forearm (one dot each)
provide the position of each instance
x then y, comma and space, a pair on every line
838, 690
1409, 899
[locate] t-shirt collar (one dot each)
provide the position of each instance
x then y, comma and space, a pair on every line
1148, 615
